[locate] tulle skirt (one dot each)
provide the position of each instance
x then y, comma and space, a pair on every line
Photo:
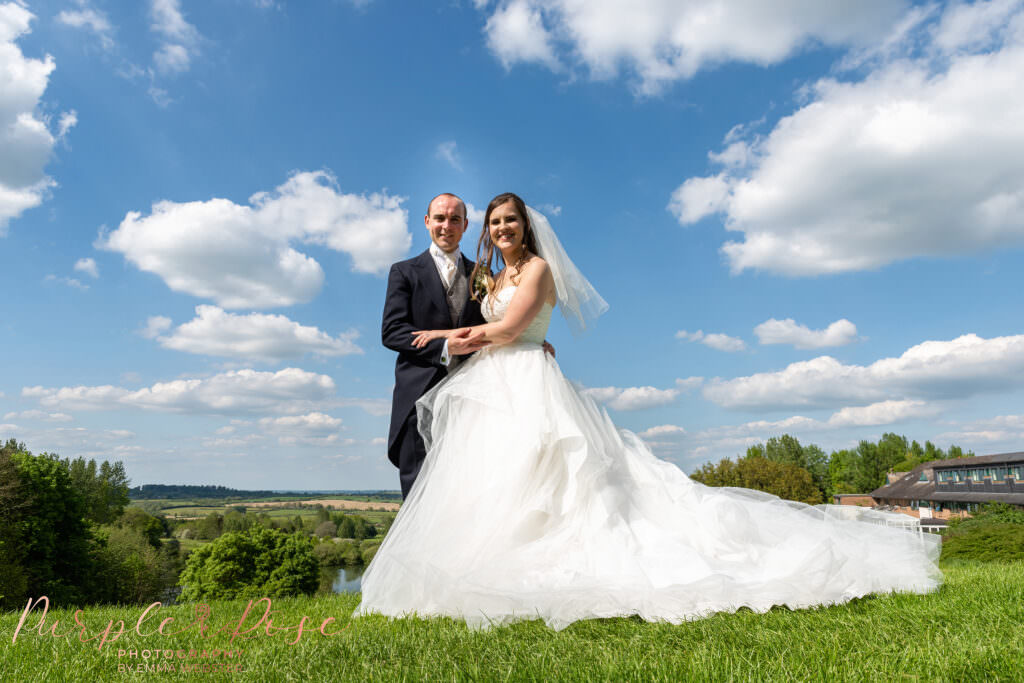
531, 504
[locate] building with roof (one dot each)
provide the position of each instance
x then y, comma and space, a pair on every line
937, 490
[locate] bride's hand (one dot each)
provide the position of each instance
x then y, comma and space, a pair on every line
423, 337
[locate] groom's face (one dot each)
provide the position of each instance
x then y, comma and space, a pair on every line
446, 221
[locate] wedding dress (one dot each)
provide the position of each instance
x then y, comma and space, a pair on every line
532, 504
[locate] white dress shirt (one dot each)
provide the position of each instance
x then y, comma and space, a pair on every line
446, 264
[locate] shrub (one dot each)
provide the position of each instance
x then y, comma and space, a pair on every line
132, 569
336, 554
259, 562
987, 543
326, 529
367, 549
994, 534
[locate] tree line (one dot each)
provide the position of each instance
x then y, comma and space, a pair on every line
187, 491
788, 469
65, 533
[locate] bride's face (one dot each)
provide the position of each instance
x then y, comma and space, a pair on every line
506, 227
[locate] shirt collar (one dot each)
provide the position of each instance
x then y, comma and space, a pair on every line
440, 255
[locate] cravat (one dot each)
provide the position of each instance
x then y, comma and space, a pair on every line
449, 272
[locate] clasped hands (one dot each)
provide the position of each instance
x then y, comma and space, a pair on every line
460, 341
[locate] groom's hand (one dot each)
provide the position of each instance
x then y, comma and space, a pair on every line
466, 341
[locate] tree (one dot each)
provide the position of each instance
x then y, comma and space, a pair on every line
725, 473
843, 470
326, 529
322, 514
211, 526
55, 537
787, 449
104, 489
13, 584
236, 521
757, 472
259, 562
150, 527
131, 567
346, 527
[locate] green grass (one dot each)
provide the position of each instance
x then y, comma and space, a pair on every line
971, 630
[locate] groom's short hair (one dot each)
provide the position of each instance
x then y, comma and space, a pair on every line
465, 217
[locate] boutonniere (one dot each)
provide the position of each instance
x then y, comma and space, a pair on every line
483, 283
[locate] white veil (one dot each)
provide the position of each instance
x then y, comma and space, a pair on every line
579, 301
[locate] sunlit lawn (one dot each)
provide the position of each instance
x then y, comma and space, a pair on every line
971, 630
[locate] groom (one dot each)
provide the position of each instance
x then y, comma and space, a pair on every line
428, 292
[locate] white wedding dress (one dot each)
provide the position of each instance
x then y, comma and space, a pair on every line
531, 504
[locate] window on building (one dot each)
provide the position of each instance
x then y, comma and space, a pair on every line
923, 477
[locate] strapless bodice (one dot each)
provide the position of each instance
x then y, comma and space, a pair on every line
493, 309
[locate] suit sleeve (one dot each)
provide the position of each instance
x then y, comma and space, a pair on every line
397, 326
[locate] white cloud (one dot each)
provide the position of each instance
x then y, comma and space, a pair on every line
729, 440
238, 392
155, 326
716, 340
447, 151
172, 59
180, 38
788, 331
970, 27
66, 122
474, 216
40, 415
689, 384
963, 367
922, 157
26, 143
9, 427
313, 429
87, 266
1004, 429
551, 209
631, 398
91, 19
661, 431
72, 442
270, 338
658, 41
883, 412
69, 281
699, 197
516, 33
241, 256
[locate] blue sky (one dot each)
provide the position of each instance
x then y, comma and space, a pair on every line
807, 218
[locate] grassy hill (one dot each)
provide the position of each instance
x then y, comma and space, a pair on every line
972, 629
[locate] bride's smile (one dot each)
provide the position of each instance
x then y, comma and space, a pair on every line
506, 227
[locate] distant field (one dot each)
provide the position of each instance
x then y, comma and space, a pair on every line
369, 507
336, 503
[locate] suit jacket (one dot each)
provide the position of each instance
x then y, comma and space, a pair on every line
416, 300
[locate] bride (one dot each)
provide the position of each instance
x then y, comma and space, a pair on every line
531, 504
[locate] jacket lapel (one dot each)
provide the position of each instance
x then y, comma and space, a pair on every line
467, 267
432, 282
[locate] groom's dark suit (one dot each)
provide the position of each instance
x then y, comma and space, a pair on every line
416, 300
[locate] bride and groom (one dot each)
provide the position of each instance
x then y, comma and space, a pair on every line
529, 503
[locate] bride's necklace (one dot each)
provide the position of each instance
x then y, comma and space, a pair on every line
517, 266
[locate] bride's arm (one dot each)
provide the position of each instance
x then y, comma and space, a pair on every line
535, 287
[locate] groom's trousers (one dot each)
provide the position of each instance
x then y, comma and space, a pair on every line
411, 452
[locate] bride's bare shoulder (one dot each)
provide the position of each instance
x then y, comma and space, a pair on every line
538, 268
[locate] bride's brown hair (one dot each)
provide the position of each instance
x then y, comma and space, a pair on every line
480, 281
